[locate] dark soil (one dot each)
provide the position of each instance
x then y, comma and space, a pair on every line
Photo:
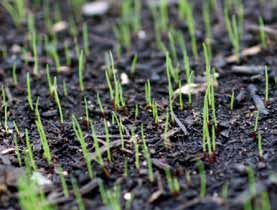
236, 143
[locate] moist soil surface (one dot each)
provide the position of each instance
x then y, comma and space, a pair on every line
236, 141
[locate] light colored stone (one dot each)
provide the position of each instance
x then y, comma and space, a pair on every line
97, 8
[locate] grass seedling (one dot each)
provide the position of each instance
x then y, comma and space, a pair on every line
181, 104
16, 128
206, 9
35, 53
233, 32
14, 75
96, 145
136, 148
46, 13
67, 54
155, 112
81, 71
148, 93
56, 58
186, 12
164, 15
5, 107
252, 188
173, 46
15, 140
86, 39
4, 51
51, 85
266, 85
147, 156
58, 102
232, 100
260, 146
257, 122
263, 35
123, 35
188, 73
29, 92
121, 129
206, 141
166, 128
100, 105
80, 136
77, 194
134, 64
213, 139
125, 167
203, 181
62, 174
155, 17
225, 191
251, 180
57, 13
76, 46
16, 9
136, 111
30, 197
210, 83
43, 138
30, 151
137, 19
111, 90
115, 89
111, 197
86, 111
173, 72
131, 9
31, 23
170, 89
65, 93
172, 182
238, 8
265, 201
107, 136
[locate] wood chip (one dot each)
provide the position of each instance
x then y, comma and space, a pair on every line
96, 8
160, 164
59, 26
248, 70
245, 53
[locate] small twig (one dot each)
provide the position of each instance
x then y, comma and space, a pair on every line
181, 125
257, 99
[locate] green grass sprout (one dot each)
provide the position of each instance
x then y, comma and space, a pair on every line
186, 12
17, 152
77, 194
96, 145
266, 85
61, 173
203, 180
58, 102
80, 136
29, 151
14, 75
232, 101
147, 156
81, 71
29, 93
172, 182
263, 35
107, 136
233, 32
16, 9
43, 138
